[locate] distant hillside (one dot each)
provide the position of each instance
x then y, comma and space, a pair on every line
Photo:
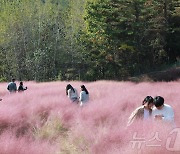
171, 74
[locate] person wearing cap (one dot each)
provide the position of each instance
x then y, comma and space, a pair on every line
143, 112
12, 86
161, 111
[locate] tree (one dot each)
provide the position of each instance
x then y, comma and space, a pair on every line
117, 28
33, 38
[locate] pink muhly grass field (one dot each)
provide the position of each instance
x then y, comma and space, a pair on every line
42, 120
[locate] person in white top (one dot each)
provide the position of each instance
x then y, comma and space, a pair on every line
162, 112
72, 93
84, 95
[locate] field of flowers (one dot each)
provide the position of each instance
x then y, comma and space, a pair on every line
42, 120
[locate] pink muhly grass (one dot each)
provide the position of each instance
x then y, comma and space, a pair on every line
98, 127
10, 144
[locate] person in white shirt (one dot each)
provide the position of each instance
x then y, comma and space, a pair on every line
162, 112
143, 112
72, 93
84, 95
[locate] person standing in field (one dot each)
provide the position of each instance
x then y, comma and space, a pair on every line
12, 88
143, 112
162, 112
21, 87
72, 93
84, 95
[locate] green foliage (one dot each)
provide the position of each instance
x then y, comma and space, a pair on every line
125, 37
173, 36
86, 40
33, 38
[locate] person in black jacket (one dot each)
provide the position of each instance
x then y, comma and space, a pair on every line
21, 87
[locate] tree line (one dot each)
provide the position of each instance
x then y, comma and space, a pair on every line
46, 40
